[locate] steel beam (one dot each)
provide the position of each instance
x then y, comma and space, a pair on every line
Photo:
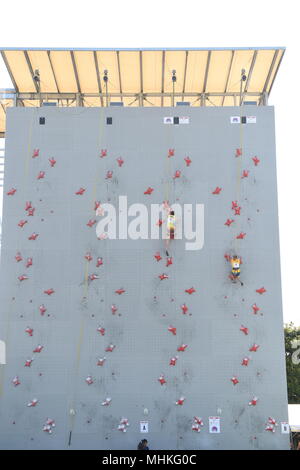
31, 71
98, 77
119, 73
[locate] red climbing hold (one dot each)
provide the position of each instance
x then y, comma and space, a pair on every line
159, 222
182, 348
15, 381
29, 262
28, 205
241, 236
172, 329
173, 361
93, 277
227, 257
188, 161
38, 349
253, 402
18, 257
49, 291
262, 290
33, 402
33, 236
42, 309
245, 174
245, 361
23, 278
110, 348
97, 204
234, 380
120, 291
120, 161
149, 191
217, 190
190, 291
162, 380
31, 211
99, 262
196, 427
256, 161
35, 153
88, 257
272, 421
270, 428
22, 223
103, 153
11, 192
169, 261
237, 211
109, 175
28, 363
106, 402
238, 152
163, 276
157, 257
80, 191
101, 330
89, 380
41, 175
52, 162
171, 153
101, 361
177, 174
180, 401
254, 348
198, 421
29, 331
228, 223
255, 308
184, 309
113, 309
91, 222
234, 204
244, 329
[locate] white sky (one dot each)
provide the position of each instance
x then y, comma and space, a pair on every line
170, 23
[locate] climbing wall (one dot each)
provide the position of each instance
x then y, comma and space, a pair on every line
103, 334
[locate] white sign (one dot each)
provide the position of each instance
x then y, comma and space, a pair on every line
2, 352
214, 423
144, 426
285, 429
251, 119
184, 120
235, 119
168, 120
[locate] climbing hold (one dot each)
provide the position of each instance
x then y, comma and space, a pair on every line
22, 223
110, 348
172, 329
96, 205
91, 222
18, 257
182, 348
120, 291
101, 361
244, 330
262, 290
255, 308
198, 421
157, 257
234, 380
33, 236
35, 153
254, 348
217, 190
106, 402
101, 330
120, 161
188, 161
30, 212
29, 262
256, 161
238, 152
103, 153
109, 175
41, 175
270, 428
241, 236
23, 278
245, 174
28, 205
171, 153
93, 277
245, 361
159, 222
113, 309
28, 362
88, 257
180, 401
33, 402
162, 379
80, 191
229, 222
196, 427
15, 381
190, 291
173, 361
38, 349
49, 425
52, 162
253, 402
149, 191
184, 309
227, 257
234, 204
177, 174
237, 210
42, 309
99, 262
49, 291
29, 331
89, 380
163, 276
123, 425
272, 421
11, 192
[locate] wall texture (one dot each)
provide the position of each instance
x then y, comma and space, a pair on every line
217, 309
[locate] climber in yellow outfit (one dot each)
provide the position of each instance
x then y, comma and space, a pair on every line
235, 262
171, 221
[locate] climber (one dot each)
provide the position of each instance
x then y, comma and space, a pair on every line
170, 229
235, 268
143, 445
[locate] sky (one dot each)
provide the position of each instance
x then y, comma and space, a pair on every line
166, 23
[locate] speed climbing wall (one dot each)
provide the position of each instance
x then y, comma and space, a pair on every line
103, 334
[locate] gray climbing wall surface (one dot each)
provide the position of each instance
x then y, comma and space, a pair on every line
58, 174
